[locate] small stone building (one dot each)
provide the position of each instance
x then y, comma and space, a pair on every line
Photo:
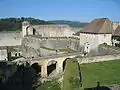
51, 30
99, 31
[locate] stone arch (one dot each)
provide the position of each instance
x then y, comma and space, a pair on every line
36, 67
29, 30
51, 67
64, 63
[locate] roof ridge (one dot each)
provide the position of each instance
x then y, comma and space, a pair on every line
102, 24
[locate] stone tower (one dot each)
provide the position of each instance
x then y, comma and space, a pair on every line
25, 25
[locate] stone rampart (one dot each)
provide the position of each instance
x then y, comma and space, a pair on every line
53, 43
99, 58
104, 49
10, 38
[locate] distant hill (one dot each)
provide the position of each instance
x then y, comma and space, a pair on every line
14, 24
70, 23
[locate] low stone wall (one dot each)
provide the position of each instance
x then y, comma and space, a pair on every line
104, 49
91, 59
32, 52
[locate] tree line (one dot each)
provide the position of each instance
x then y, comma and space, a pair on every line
14, 24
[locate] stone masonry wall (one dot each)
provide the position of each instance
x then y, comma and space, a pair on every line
10, 38
32, 52
103, 50
51, 43
98, 58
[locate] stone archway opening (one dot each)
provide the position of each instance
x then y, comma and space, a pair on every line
34, 31
64, 63
51, 67
37, 68
27, 30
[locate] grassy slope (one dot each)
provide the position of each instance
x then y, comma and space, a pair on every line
71, 76
105, 72
49, 86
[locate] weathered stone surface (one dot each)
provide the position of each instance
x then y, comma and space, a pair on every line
100, 58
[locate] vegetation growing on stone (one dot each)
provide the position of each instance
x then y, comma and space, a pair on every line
116, 37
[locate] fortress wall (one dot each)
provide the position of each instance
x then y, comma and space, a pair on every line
45, 52
103, 50
10, 39
32, 52
53, 30
51, 43
98, 58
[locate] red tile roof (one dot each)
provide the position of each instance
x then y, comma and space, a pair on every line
99, 26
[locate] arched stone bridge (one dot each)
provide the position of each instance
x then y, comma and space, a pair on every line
45, 62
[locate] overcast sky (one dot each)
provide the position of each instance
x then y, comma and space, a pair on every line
77, 10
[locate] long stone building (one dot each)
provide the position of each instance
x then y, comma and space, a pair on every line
53, 30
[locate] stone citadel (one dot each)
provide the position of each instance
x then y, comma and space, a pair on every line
40, 41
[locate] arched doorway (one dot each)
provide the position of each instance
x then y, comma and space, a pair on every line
37, 68
64, 63
34, 31
51, 67
27, 30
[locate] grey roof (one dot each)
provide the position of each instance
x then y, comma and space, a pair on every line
99, 26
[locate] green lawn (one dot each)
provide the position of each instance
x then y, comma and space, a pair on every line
106, 73
71, 76
49, 86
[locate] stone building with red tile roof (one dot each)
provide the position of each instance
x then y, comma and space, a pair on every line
99, 31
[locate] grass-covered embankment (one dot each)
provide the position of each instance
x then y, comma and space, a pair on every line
106, 73
49, 86
71, 79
